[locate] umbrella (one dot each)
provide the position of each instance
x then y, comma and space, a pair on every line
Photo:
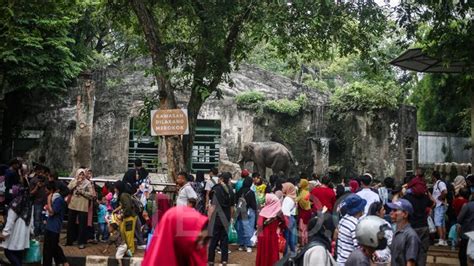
415, 59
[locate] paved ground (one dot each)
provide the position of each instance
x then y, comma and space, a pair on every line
235, 257
93, 253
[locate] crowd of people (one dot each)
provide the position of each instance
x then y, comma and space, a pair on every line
304, 220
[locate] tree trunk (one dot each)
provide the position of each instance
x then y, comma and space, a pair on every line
82, 140
174, 146
472, 131
194, 106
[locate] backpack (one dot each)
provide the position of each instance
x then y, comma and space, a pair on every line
241, 205
199, 189
449, 191
137, 205
298, 260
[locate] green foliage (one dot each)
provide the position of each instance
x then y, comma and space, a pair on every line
364, 96
286, 106
35, 51
249, 99
442, 104
445, 29
142, 122
319, 85
290, 132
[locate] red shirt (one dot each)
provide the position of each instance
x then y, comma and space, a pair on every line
458, 203
326, 196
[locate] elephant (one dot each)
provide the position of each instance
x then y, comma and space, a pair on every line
267, 154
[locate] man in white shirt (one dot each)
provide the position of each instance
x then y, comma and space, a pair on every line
367, 193
213, 180
186, 191
439, 194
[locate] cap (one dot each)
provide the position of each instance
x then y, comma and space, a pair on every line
245, 173
401, 204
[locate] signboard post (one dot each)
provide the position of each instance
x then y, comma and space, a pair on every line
169, 122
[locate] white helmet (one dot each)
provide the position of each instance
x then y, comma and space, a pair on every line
370, 232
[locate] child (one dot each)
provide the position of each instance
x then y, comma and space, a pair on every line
101, 220
116, 238
55, 207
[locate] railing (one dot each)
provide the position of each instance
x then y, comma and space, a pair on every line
168, 188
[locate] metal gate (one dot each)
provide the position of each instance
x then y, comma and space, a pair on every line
143, 147
206, 145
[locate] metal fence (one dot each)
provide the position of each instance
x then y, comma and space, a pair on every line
439, 147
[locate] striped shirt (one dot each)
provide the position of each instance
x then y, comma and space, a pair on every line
346, 240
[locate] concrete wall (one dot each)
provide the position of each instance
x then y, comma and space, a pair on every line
439, 147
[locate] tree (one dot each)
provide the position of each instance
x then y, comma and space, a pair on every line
195, 44
35, 51
441, 105
445, 30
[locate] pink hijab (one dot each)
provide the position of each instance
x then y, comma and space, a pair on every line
174, 240
289, 190
272, 206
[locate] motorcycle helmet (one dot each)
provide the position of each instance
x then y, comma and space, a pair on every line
370, 232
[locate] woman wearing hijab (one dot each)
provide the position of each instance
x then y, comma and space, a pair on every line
288, 208
246, 214
304, 210
267, 226
82, 191
354, 185
459, 183
16, 233
179, 240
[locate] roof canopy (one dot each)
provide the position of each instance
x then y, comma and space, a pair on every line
416, 60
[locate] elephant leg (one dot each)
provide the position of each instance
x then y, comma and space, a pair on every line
280, 166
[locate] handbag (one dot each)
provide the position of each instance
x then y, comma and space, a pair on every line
33, 254
281, 243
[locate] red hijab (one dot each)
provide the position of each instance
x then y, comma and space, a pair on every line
162, 205
354, 186
174, 240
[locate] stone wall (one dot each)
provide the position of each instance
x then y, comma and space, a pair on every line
373, 142
363, 142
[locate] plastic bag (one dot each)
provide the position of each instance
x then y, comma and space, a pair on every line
470, 245
453, 233
232, 235
33, 254
253, 239
431, 225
